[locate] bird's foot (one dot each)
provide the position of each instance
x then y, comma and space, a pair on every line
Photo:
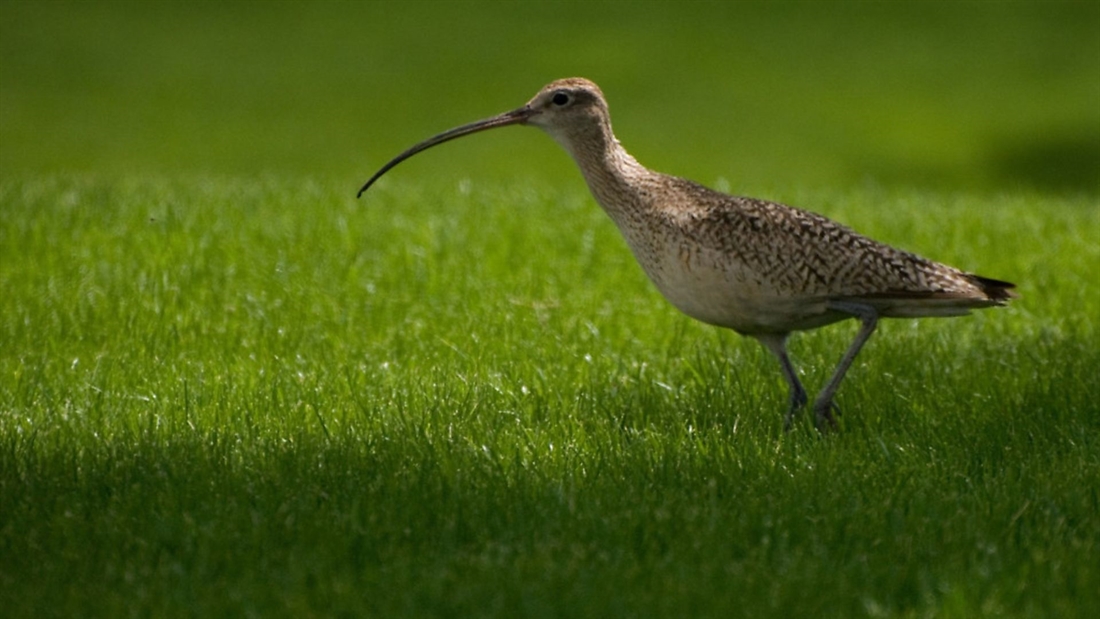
788, 421
823, 415
798, 402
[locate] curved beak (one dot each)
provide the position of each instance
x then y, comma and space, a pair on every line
515, 117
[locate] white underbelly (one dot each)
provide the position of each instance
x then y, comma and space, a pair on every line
708, 287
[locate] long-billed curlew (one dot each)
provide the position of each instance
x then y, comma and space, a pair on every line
760, 268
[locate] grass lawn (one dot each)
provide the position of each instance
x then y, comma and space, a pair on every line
227, 388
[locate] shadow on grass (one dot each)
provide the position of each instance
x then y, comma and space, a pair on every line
1068, 163
1056, 163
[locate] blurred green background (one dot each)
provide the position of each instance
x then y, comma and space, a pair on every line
975, 96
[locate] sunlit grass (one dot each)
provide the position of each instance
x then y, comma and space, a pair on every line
259, 396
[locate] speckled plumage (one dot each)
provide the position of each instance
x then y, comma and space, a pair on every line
760, 268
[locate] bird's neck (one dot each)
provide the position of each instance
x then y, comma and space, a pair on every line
615, 178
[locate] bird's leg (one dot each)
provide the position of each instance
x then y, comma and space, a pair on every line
823, 405
777, 343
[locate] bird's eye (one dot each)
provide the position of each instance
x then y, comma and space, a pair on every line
560, 99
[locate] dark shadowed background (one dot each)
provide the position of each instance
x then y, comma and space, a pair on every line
968, 95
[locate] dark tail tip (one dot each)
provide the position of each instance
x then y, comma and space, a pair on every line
996, 289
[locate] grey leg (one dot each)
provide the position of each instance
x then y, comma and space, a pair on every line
823, 405
777, 343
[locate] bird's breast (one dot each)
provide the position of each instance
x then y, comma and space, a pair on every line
718, 288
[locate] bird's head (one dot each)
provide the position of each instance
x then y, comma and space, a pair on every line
572, 111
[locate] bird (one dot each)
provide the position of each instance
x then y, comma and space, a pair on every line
762, 269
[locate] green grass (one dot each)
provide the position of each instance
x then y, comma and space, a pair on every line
258, 397
227, 388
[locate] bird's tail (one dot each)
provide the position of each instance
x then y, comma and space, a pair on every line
995, 289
